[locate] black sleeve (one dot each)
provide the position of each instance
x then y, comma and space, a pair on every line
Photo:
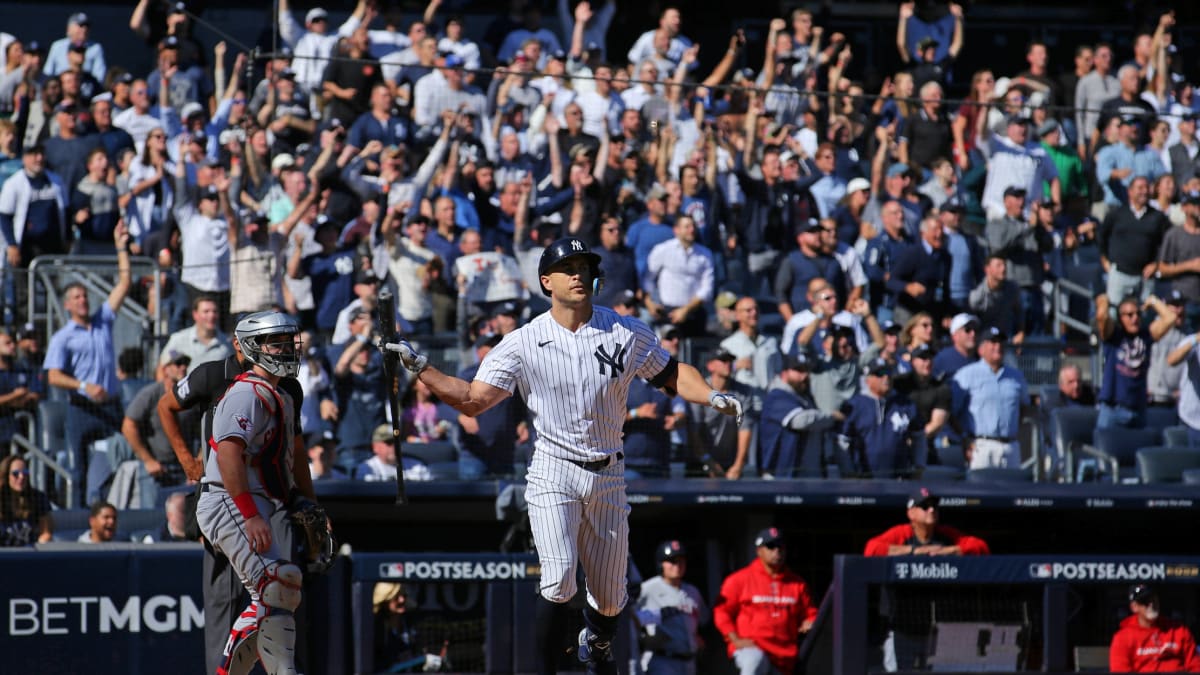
942, 399
291, 386
202, 386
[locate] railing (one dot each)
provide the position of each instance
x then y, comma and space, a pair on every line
1063, 290
39, 462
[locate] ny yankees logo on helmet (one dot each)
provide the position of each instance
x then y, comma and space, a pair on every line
613, 361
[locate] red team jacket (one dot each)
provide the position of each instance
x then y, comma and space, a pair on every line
765, 608
1165, 647
947, 536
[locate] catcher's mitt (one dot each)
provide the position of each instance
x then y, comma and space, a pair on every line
315, 546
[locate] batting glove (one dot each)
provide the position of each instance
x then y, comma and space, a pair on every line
413, 361
726, 404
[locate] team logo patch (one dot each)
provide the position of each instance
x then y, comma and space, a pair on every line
243, 422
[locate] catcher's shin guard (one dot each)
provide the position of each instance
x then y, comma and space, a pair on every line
279, 593
241, 650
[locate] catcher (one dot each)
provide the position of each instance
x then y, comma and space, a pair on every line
250, 487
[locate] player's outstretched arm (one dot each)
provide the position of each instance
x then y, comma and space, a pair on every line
691, 386
469, 398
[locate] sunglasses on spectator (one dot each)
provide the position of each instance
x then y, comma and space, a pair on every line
17, 473
826, 296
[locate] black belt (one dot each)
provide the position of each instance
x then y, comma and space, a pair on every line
1000, 439
599, 463
205, 487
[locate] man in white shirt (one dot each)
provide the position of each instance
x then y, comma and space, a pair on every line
382, 467
204, 234
670, 21
758, 359
203, 340
409, 264
679, 279
312, 45
78, 27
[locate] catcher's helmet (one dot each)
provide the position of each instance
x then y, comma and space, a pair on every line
255, 330
568, 247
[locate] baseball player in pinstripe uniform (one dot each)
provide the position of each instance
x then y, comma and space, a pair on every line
573, 366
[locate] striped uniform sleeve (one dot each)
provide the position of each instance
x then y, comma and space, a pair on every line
502, 366
648, 353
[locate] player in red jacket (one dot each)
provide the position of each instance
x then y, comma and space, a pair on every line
762, 610
1149, 643
923, 535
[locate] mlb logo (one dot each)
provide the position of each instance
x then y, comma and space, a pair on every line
1041, 571
391, 570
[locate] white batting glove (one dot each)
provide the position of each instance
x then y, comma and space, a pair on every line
412, 360
726, 404
433, 663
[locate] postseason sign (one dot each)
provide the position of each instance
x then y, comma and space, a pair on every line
1028, 569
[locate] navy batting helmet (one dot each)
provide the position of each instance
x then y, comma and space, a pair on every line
568, 247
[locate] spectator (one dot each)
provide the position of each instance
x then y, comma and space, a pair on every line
997, 301
204, 227
25, 516
149, 195
530, 31
378, 123
650, 417
808, 329
931, 396
313, 45
455, 41
942, 188
1072, 392
285, 113
880, 255
1126, 348
763, 609
881, 427
33, 205
255, 269
80, 360
772, 211
94, 207
1163, 379
359, 385
617, 264
322, 456
1092, 91
649, 231
348, 82
1129, 241
142, 430
926, 133
19, 389
1073, 182
412, 265
66, 153
669, 23
1183, 157
848, 259
907, 641
726, 444
1128, 104
801, 267
140, 119
1188, 354
989, 398
790, 439
966, 254
671, 613
757, 356
425, 419
961, 350
382, 467
1147, 642
102, 524
318, 410
201, 342
920, 275
1116, 163
78, 29
1179, 259
679, 280
1016, 161
491, 438
331, 271
173, 527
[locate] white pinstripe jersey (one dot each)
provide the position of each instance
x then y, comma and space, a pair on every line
575, 384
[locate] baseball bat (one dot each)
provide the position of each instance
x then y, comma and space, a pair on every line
386, 325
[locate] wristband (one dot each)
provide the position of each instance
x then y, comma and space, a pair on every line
362, 338
633, 414
245, 504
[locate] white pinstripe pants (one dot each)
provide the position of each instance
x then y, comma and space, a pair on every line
579, 516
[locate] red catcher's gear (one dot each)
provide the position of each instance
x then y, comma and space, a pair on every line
1165, 647
903, 535
767, 608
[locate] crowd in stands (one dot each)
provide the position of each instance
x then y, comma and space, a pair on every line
861, 269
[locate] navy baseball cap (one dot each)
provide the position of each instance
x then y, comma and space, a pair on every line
769, 537
992, 334
670, 550
510, 308
210, 192
1142, 594
879, 367
1192, 197
922, 352
1175, 297
720, 355
1014, 191
923, 496
798, 361
890, 326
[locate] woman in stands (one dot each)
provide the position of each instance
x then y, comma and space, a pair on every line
972, 115
917, 332
24, 511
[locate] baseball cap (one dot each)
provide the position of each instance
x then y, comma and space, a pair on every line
726, 299
1129, 120
771, 536
26, 332
798, 361
591, 46
179, 8
34, 47
962, 320
656, 192
721, 355
630, 153
176, 358
923, 496
667, 332
124, 78
65, 107
201, 138
922, 352
314, 437
365, 276
627, 298
1020, 117
80, 19
1192, 197
77, 47
1175, 297
993, 334
1014, 191
890, 326
282, 160
382, 434
323, 221
1048, 127
190, 109
488, 340
879, 367
813, 226
669, 550
857, 184
453, 61
954, 205
1142, 594
210, 192
508, 308
787, 156
286, 74
170, 42
558, 55
897, 169
316, 14
35, 149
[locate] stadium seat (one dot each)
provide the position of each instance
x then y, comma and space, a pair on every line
1191, 476
1091, 659
1166, 465
1115, 449
999, 475
1072, 428
52, 419
439, 456
1158, 417
941, 474
1175, 437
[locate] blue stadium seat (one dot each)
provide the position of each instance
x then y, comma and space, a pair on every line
1191, 476
1073, 427
1115, 450
1158, 417
439, 456
1166, 465
999, 475
939, 473
1175, 437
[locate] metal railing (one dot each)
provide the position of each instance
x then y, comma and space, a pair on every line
39, 462
1063, 290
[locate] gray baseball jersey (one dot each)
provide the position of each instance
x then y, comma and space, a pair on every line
676, 615
247, 411
575, 385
